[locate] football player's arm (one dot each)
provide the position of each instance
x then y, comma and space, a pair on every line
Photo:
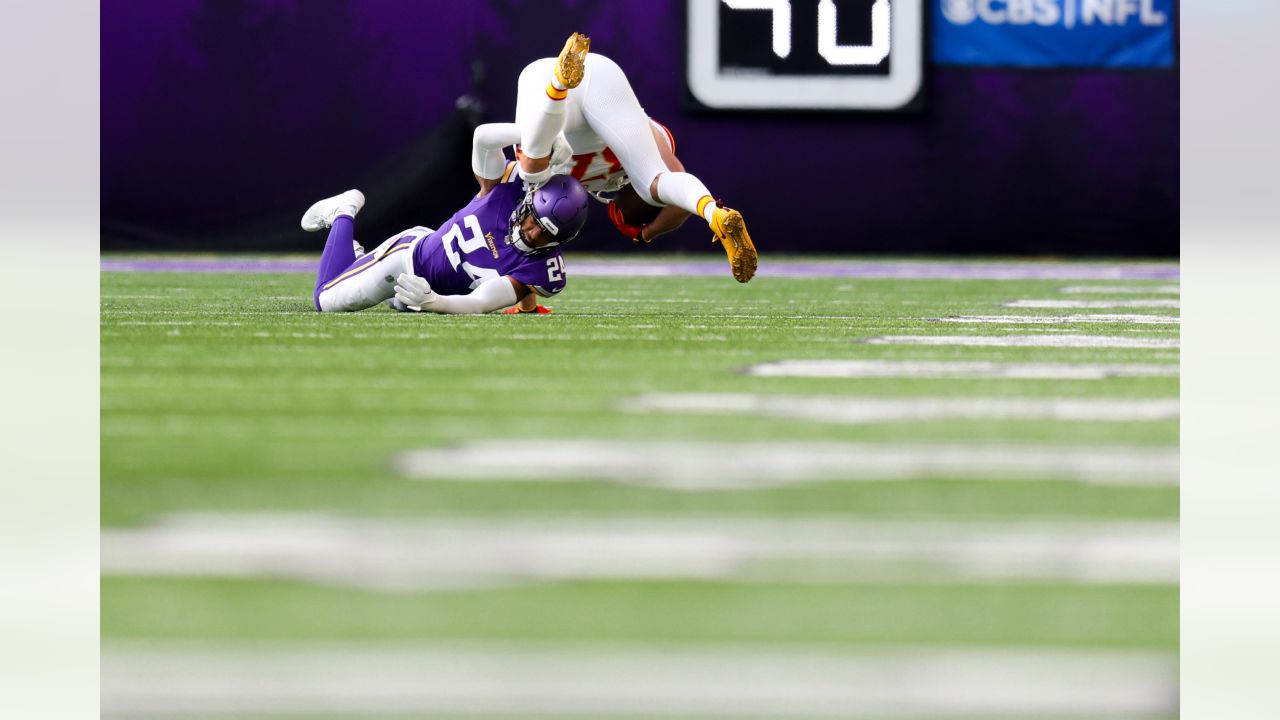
528, 303
671, 216
488, 163
492, 294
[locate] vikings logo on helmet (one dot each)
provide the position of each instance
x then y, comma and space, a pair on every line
559, 207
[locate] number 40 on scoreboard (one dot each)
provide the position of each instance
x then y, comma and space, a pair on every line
805, 54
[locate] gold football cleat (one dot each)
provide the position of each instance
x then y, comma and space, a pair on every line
731, 231
569, 66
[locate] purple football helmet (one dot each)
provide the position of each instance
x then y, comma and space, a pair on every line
559, 206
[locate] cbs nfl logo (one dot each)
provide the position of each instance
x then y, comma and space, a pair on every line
1105, 13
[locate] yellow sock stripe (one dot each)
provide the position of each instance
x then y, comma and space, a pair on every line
506, 174
358, 270
555, 93
702, 203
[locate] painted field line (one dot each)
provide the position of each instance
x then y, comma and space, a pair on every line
152, 680
1062, 319
1055, 341
956, 370
859, 410
715, 267
1122, 290
1093, 304
690, 465
482, 552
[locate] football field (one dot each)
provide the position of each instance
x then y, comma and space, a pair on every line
849, 488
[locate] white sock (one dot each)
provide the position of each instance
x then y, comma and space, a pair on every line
686, 191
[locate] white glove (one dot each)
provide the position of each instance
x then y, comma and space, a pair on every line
561, 151
561, 163
415, 292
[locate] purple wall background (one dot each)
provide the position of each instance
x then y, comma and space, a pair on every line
223, 119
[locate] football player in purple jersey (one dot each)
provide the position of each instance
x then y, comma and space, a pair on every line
503, 248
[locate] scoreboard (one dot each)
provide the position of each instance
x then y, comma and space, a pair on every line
863, 55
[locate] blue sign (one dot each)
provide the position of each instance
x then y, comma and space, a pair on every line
1054, 33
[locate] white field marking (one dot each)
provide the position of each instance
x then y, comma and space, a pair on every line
155, 322
1063, 319
981, 370
721, 318
691, 465
218, 323
670, 301
1121, 290
1093, 304
482, 552
297, 335
858, 410
1056, 341
892, 269
167, 679
189, 312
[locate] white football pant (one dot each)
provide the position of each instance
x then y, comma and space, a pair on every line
601, 112
371, 279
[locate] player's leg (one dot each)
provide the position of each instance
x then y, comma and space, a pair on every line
338, 253
540, 104
371, 278
338, 214
611, 108
345, 282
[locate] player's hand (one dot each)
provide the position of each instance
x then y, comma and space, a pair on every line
415, 292
561, 151
635, 232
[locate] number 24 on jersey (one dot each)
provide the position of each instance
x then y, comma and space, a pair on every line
555, 269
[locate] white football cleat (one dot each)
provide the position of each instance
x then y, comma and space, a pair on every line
321, 215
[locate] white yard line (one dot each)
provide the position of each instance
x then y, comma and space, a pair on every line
1062, 319
1055, 341
1094, 304
141, 680
858, 410
297, 335
216, 323
427, 554
692, 465
956, 370
1121, 290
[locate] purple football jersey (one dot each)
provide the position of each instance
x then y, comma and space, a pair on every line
470, 248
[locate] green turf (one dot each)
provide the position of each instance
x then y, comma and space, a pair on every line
229, 393
1059, 615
